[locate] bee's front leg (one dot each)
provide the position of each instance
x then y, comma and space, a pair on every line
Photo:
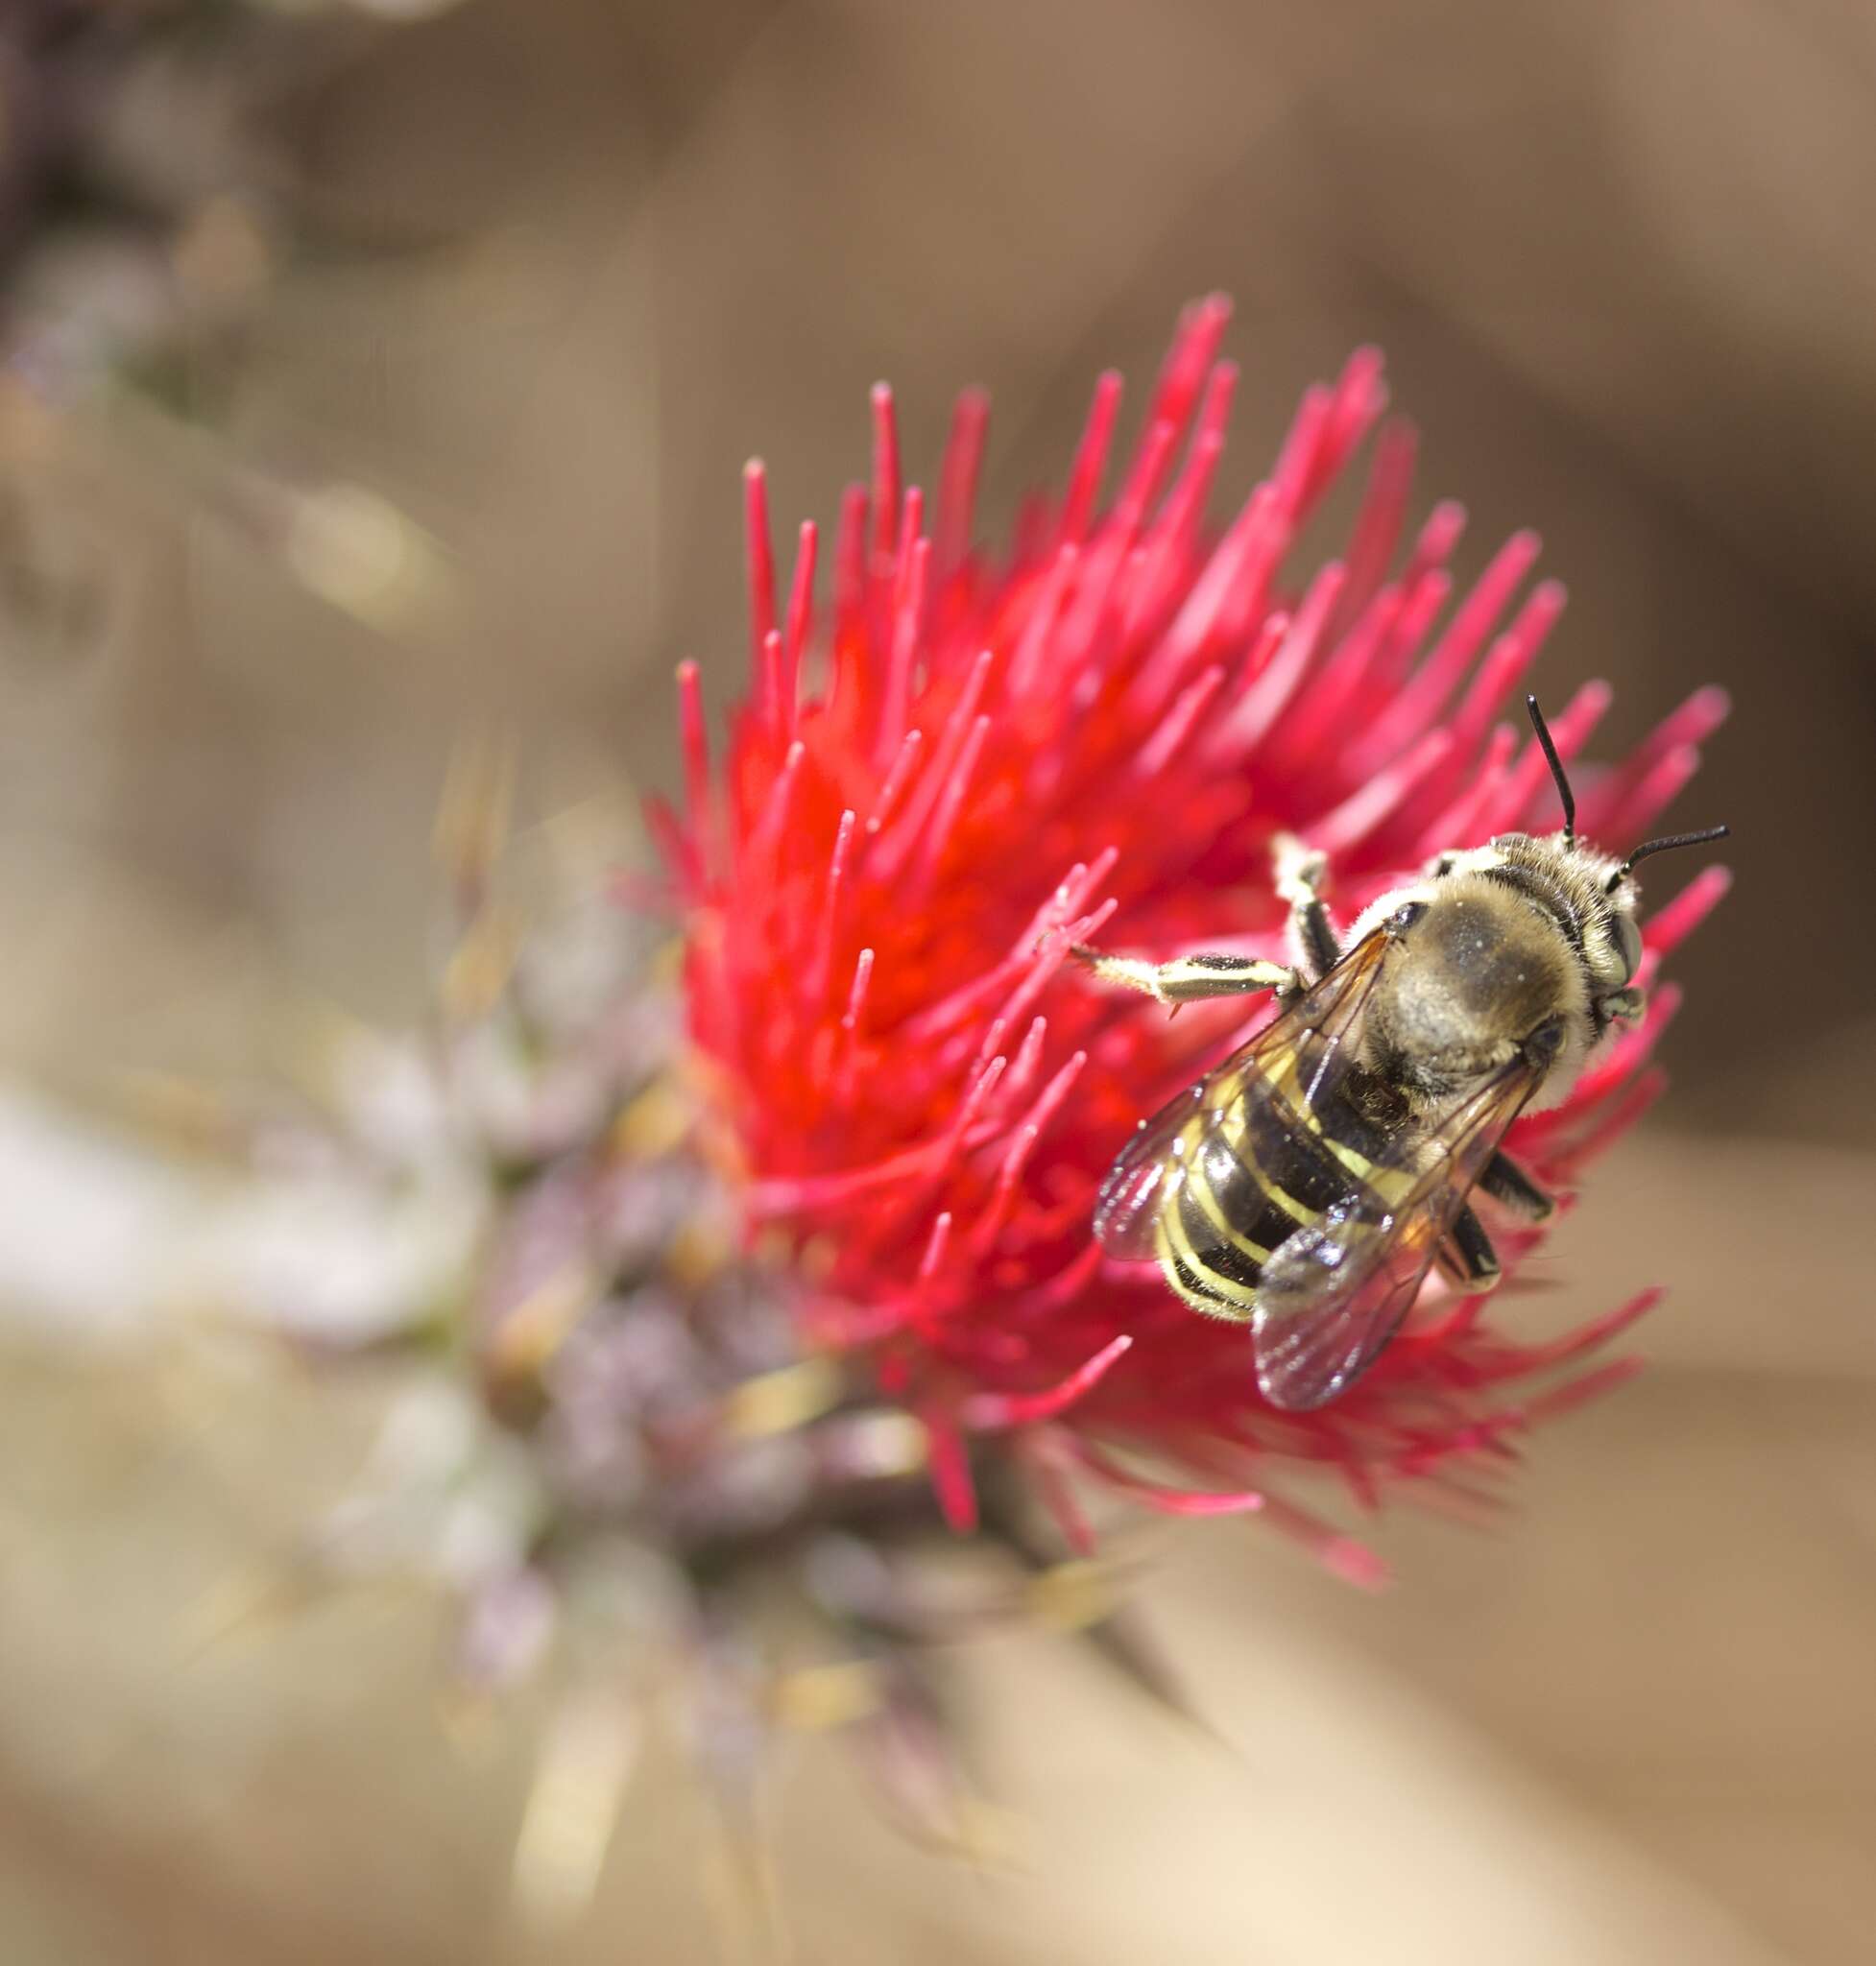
1187, 979
1625, 1006
1299, 872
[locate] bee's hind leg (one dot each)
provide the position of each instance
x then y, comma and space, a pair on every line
1186, 979
1299, 875
1467, 1255
1504, 1181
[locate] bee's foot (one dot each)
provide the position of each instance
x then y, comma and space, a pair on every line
1299, 870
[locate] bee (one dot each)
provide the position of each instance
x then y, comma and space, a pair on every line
1309, 1183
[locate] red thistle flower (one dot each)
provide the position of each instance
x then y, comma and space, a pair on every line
976, 761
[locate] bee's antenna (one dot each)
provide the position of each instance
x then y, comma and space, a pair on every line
1700, 839
1555, 763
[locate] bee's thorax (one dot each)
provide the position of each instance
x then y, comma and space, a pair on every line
1496, 944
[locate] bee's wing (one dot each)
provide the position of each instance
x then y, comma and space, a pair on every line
1149, 1169
1333, 1293
1303, 1044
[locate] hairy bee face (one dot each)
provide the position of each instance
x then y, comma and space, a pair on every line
1496, 945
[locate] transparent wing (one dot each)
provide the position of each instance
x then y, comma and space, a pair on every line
1333, 1293
1300, 1047
1148, 1172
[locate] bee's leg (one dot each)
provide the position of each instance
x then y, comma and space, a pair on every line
1477, 1265
1504, 1181
1625, 1006
1299, 875
1186, 979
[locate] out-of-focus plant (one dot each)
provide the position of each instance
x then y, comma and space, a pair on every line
149, 205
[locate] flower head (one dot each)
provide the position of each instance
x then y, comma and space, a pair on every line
977, 761
695, 1335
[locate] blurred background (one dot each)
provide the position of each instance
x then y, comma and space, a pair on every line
382, 373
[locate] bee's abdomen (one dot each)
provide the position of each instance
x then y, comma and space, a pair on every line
1203, 1289
1251, 1179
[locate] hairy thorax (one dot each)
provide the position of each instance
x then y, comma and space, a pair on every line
1476, 975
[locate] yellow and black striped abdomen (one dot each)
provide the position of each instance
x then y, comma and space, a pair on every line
1251, 1172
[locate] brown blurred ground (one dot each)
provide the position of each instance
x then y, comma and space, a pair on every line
1619, 258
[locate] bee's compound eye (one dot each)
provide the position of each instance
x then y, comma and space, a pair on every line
1628, 945
1405, 916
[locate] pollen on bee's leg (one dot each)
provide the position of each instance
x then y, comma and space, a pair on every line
1129, 973
1297, 869
1186, 979
1190, 979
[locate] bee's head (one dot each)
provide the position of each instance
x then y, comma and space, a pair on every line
1600, 893
1528, 938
